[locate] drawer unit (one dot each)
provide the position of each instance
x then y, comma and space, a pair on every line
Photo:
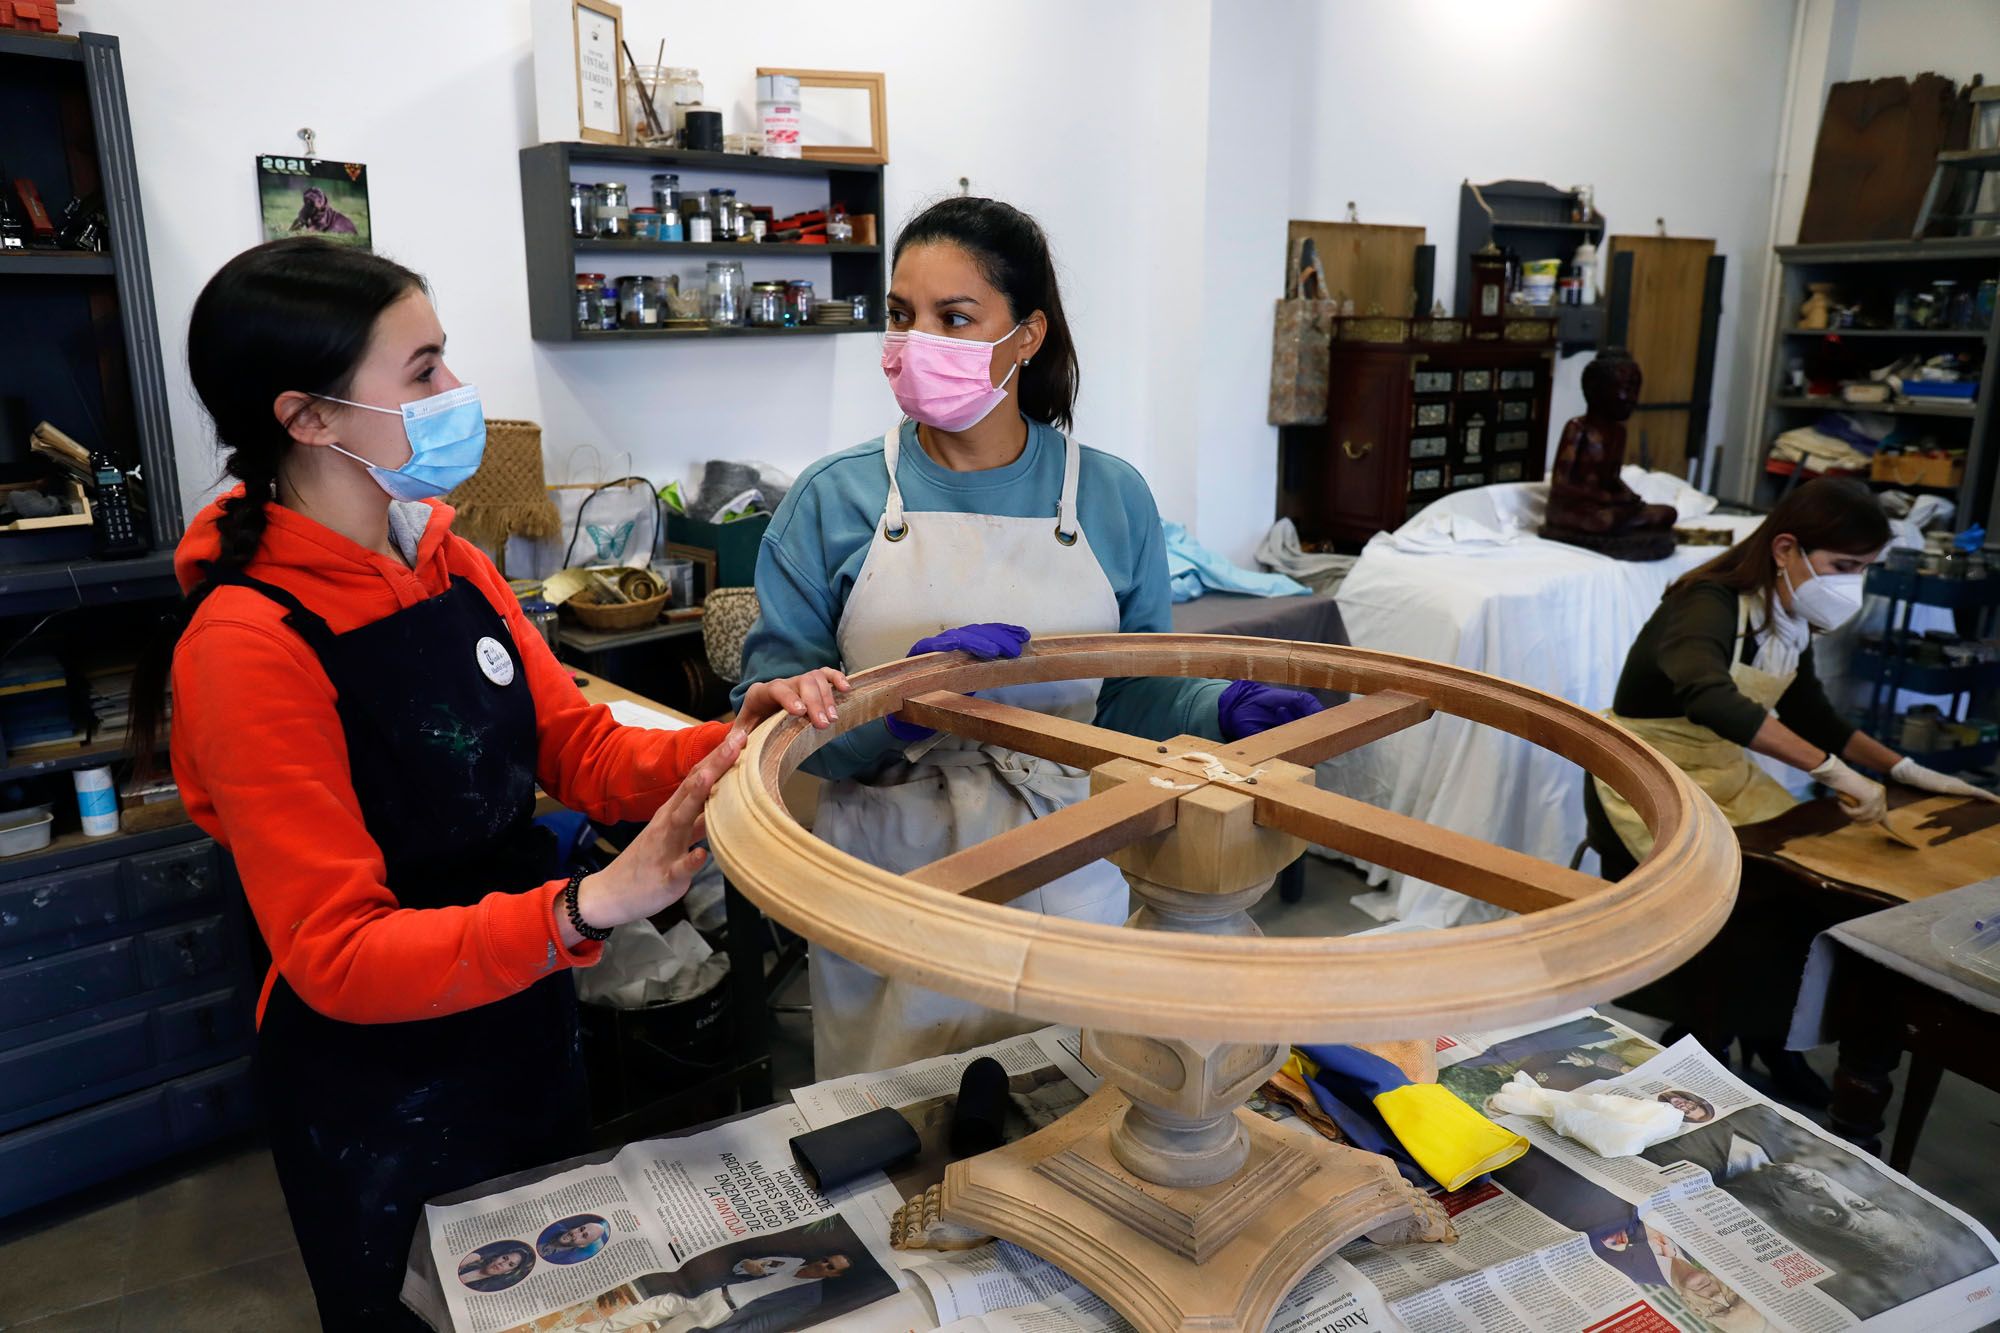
176, 879
205, 1023
71, 1152
92, 1062
63, 1066
175, 953
40, 916
49, 987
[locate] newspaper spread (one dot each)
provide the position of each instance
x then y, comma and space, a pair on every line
716, 1228
1749, 1219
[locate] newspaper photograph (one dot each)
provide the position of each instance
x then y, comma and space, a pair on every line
716, 1230
1759, 1218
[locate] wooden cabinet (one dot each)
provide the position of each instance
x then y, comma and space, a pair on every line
1408, 421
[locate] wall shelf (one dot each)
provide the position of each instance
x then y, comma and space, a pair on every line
1939, 408
555, 255
55, 263
1964, 335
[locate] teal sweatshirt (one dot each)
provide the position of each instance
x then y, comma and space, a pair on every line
813, 550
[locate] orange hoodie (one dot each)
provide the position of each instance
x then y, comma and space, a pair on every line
261, 760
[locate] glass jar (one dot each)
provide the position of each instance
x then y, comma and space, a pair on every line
860, 309
666, 191
799, 302
767, 305
728, 298
642, 82
614, 219
607, 305
683, 90
839, 231
700, 223
590, 300
639, 302
582, 209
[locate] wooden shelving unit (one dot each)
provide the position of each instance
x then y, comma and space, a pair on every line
556, 255
1871, 273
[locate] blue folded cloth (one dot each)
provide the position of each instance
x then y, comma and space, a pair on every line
1193, 569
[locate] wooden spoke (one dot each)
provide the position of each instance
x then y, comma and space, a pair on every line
1498, 875
1002, 869
990, 722
1334, 731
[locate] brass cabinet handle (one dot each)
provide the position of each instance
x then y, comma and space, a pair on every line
1347, 447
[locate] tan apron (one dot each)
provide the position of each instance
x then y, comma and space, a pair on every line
927, 572
1721, 768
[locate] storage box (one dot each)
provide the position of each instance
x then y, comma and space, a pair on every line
735, 545
1918, 469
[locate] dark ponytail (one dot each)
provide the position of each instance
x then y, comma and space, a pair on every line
295, 314
1013, 254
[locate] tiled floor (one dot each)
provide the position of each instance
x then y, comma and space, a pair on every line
206, 1246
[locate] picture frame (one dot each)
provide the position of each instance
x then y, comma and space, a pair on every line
843, 115
598, 30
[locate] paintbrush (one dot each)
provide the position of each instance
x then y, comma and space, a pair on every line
1896, 835
645, 95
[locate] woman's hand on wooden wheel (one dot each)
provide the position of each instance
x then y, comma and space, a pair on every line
814, 696
654, 870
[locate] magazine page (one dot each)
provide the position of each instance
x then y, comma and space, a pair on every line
1783, 1221
686, 1232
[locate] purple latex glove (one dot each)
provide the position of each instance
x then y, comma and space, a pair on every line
985, 642
1250, 706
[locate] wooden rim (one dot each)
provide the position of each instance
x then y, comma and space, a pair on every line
1590, 940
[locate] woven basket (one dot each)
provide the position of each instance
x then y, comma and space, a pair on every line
617, 615
508, 496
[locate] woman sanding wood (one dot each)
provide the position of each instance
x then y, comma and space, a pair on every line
361, 716
1724, 668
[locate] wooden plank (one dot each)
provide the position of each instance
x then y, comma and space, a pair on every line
1664, 335
1498, 875
1001, 869
1375, 266
1333, 731
990, 722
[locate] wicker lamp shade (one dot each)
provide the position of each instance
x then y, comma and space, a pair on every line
509, 495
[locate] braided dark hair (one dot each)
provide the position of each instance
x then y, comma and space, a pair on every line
289, 315
1013, 255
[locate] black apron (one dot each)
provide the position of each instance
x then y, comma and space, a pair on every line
367, 1121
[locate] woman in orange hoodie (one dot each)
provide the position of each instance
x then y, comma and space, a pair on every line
361, 716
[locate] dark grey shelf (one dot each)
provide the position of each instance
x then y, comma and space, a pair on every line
1939, 409
40, 46
1893, 252
64, 263
19, 765
688, 160
555, 253
644, 335
736, 249
69, 851
60, 585
1974, 335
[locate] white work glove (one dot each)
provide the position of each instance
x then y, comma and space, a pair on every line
1861, 799
1913, 774
1607, 1123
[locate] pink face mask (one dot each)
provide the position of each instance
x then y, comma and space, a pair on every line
946, 383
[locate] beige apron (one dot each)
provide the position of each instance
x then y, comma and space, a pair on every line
1722, 768
927, 572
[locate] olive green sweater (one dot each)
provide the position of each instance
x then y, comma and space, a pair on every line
1679, 667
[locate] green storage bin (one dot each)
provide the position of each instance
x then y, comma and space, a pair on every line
735, 545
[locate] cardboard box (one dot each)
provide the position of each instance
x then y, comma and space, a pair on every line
1918, 469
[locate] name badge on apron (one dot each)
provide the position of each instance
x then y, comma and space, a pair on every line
495, 661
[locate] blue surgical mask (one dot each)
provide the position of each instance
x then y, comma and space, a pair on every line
447, 434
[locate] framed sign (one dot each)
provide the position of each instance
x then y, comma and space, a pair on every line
600, 77
843, 115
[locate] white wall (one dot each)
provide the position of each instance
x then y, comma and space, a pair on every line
437, 98
1163, 144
